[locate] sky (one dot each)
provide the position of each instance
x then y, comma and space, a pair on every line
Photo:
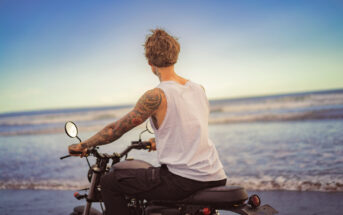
62, 54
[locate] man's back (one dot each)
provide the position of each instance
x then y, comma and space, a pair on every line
182, 138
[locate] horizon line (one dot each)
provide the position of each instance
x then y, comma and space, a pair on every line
131, 104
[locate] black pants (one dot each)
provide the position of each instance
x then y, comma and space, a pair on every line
153, 183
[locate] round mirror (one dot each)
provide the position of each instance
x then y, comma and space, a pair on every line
149, 127
71, 129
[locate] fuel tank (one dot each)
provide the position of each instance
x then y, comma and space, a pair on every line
131, 164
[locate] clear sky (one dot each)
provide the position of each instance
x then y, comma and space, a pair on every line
56, 54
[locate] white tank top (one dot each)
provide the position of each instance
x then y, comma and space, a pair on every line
182, 141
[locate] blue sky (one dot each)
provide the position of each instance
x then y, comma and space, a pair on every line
56, 54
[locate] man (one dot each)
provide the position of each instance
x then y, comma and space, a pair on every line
178, 109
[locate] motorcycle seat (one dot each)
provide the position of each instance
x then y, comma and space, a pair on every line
220, 196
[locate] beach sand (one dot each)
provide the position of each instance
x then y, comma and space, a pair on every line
55, 202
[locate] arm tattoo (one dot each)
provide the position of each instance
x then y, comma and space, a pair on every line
146, 106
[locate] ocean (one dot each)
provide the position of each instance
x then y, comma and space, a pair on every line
279, 142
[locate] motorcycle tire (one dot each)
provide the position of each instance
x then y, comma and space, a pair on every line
79, 211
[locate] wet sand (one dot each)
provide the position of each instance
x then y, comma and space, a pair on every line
55, 202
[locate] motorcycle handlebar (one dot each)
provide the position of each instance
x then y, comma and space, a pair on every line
141, 144
134, 145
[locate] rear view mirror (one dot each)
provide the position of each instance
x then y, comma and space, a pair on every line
149, 127
71, 129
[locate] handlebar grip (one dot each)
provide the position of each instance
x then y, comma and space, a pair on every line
146, 144
66, 156
75, 152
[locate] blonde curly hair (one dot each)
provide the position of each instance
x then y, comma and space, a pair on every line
161, 49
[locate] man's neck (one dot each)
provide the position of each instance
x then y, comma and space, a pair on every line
168, 74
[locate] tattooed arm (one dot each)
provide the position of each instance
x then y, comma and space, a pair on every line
146, 106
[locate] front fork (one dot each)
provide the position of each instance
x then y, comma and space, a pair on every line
91, 193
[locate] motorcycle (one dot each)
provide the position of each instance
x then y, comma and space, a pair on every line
203, 202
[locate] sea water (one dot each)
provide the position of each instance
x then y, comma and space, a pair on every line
280, 142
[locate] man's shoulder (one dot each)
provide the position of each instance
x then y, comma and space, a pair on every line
151, 99
197, 84
154, 91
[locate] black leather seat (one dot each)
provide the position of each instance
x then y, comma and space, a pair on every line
218, 195
215, 196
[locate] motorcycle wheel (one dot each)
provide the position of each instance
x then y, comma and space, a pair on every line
79, 211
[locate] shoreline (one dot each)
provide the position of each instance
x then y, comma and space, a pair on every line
55, 202
265, 183
248, 190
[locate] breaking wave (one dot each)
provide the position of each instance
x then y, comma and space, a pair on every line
320, 183
44, 185
290, 116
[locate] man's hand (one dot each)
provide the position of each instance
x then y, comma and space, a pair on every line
153, 144
77, 149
